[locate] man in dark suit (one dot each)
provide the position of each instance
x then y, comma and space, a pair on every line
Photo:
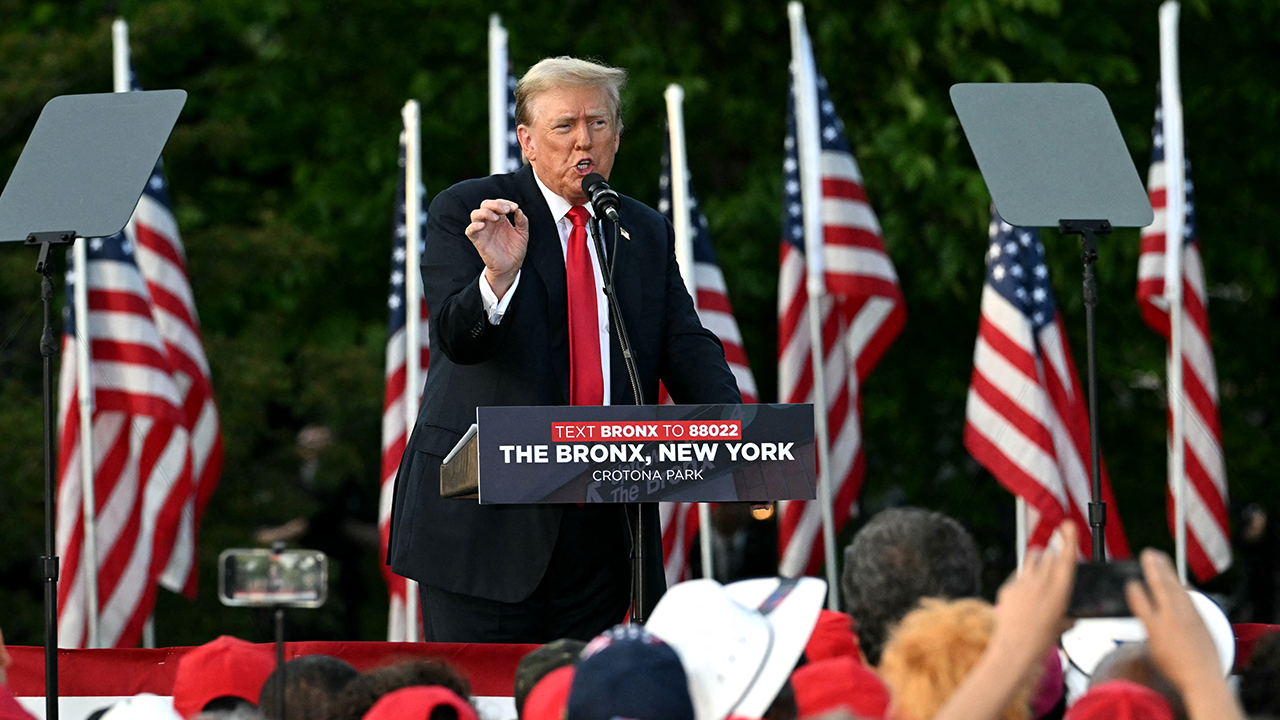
518, 317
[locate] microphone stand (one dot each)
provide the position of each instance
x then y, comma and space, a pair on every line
638, 614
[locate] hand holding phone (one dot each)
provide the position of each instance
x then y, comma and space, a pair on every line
1099, 589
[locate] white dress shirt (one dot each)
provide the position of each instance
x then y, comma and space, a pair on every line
496, 308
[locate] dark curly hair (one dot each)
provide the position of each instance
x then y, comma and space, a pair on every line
900, 556
361, 693
311, 684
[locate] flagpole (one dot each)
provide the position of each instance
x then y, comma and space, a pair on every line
810, 154
84, 377
1174, 237
413, 306
120, 83
1020, 528
674, 95
498, 69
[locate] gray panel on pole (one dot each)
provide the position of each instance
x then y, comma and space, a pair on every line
87, 162
1051, 152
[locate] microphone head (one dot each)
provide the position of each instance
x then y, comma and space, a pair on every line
590, 182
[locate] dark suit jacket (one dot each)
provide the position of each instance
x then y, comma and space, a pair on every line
501, 552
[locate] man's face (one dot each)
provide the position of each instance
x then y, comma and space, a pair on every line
571, 133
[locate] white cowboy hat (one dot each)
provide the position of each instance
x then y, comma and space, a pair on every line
738, 643
1091, 639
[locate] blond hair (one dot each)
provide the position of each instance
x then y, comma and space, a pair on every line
570, 72
932, 650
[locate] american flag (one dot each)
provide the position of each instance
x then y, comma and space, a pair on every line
395, 425
514, 153
862, 313
680, 520
1026, 420
1208, 538
142, 453
140, 301
162, 261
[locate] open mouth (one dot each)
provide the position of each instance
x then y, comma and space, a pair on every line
583, 167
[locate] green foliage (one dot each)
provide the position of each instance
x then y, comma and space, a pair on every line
283, 168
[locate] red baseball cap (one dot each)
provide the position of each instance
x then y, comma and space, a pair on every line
839, 682
1120, 700
832, 637
549, 698
225, 666
417, 702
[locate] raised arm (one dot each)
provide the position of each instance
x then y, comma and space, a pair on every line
1029, 619
1179, 642
462, 246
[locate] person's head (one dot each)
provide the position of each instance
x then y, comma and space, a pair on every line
365, 689
900, 556
220, 675
311, 684
629, 673
421, 703
535, 666
931, 651
569, 121
832, 637
1120, 699
839, 683
1133, 662
550, 696
739, 643
1260, 681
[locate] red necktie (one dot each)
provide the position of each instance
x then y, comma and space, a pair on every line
586, 383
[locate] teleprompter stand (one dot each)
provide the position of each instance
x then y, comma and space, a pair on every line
1052, 156
80, 175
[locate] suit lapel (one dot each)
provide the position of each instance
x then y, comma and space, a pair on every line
627, 288
546, 259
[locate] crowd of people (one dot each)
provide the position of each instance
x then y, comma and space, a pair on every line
917, 643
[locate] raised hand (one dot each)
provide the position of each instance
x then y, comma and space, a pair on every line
1030, 606
501, 245
1029, 610
1179, 641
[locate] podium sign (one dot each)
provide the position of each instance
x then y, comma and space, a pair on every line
650, 453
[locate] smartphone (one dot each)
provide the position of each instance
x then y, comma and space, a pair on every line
263, 578
1099, 589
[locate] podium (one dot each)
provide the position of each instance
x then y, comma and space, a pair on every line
634, 454
637, 455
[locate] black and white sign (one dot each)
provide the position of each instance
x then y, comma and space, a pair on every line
651, 453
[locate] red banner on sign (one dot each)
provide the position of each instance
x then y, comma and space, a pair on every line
646, 430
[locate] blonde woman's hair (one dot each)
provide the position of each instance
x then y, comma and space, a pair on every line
932, 650
570, 72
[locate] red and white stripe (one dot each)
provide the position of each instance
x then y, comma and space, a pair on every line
1026, 421
679, 536
142, 460
162, 261
861, 315
680, 521
395, 435
1208, 536
716, 314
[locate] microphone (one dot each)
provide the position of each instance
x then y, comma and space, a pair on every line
603, 199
